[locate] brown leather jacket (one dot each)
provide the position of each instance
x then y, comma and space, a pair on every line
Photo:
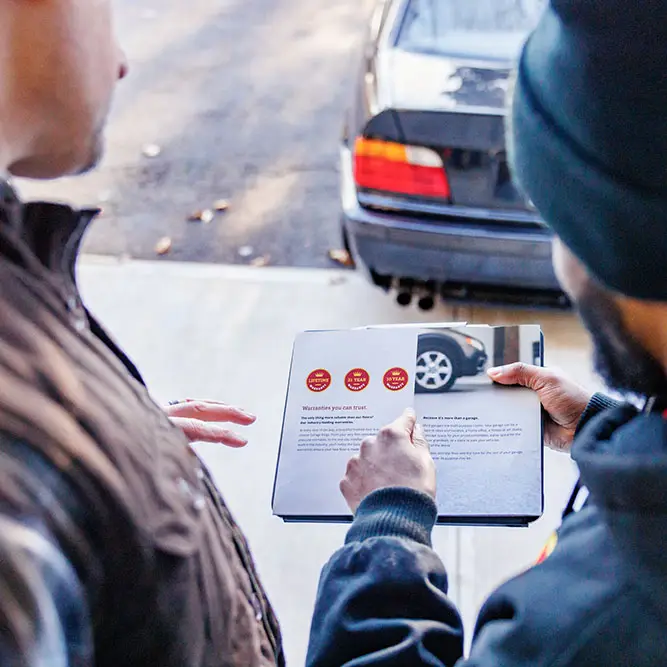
87, 457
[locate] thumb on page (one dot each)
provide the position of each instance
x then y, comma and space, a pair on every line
524, 375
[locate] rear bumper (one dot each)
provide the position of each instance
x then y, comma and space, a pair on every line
444, 250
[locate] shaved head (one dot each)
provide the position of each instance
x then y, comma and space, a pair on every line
59, 63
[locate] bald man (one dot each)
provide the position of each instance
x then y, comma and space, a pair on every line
115, 546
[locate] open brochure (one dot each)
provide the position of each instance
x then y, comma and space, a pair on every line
486, 439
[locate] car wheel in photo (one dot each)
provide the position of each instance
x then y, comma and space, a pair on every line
438, 362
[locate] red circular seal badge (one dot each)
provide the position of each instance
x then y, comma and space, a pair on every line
396, 379
319, 380
357, 379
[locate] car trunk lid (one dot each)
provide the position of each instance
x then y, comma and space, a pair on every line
432, 82
456, 107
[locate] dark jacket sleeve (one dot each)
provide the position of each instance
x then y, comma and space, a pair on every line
598, 403
382, 598
43, 616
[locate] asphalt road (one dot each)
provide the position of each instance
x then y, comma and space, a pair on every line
243, 99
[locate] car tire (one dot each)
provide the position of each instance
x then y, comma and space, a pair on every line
440, 359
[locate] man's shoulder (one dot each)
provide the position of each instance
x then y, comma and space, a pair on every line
573, 607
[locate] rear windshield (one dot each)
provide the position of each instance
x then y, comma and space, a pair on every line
483, 29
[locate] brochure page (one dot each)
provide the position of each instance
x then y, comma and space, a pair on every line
344, 386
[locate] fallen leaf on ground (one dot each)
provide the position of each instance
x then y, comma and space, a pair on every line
151, 150
341, 256
163, 246
221, 205
246, 251
206, 216
261, 261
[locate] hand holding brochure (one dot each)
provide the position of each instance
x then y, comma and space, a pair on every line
486, 440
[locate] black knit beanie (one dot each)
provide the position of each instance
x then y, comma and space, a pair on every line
588, 136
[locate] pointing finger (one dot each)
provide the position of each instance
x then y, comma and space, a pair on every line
211, 412
200, 431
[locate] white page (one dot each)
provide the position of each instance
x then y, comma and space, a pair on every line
486, 440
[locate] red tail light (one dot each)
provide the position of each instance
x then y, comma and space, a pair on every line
390, 167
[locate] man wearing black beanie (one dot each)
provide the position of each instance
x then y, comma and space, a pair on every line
588, 143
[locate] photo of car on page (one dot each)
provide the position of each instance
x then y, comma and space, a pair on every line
445, 356
457, 359
485, 438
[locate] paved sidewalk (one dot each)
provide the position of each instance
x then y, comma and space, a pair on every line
226, 333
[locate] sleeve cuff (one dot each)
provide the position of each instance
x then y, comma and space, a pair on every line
394, 512
598, 403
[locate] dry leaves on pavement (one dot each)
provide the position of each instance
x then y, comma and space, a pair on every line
205, 216
341, 256
163, 246
261, 261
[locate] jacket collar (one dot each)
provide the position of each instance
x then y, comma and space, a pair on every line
622, 457
51, 233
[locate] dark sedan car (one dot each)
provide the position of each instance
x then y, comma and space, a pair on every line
429, 206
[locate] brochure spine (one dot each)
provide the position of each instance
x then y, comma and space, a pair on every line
282, 432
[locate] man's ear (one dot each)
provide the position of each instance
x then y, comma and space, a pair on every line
571, 273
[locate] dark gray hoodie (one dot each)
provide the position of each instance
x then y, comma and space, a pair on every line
599, 599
